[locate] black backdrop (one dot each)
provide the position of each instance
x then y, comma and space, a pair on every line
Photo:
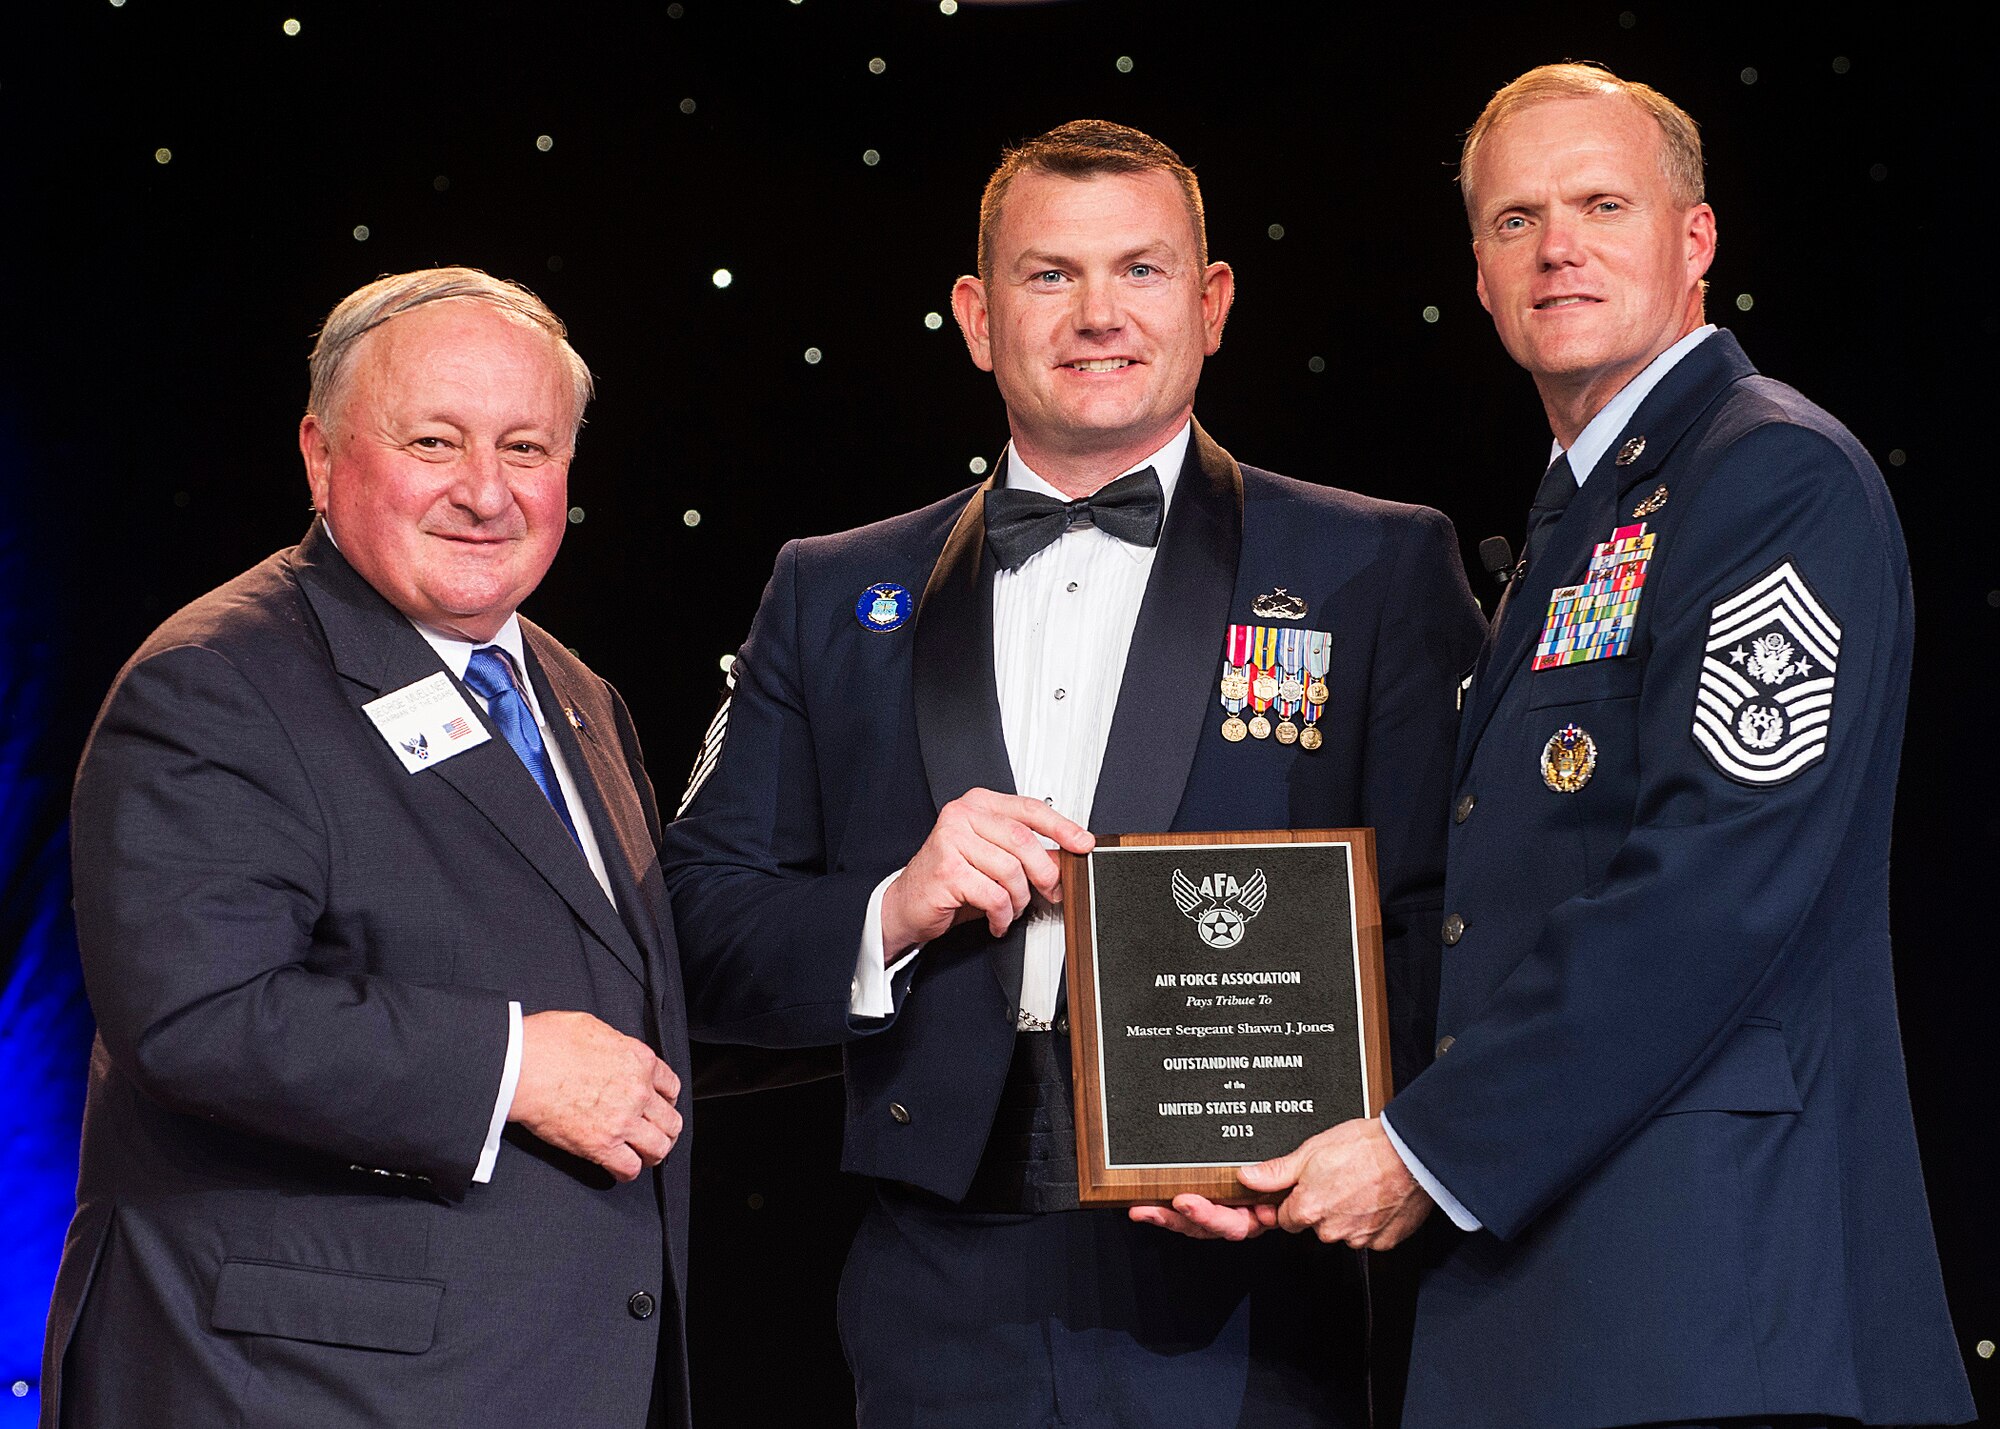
157, 317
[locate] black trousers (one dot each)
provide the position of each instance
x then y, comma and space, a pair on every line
1017, 1309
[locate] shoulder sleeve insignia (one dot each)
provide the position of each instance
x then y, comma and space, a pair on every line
1765, 702
711, 744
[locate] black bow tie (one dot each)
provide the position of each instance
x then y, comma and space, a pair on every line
1020, 523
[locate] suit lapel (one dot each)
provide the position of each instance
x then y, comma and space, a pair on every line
610, 801
1170, 669
959, 731
1696, 382
375, 648
957, 698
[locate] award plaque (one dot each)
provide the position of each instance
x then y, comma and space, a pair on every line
1226, 1001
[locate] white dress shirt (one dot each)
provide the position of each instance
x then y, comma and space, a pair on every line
1062, 626
1584, 454
457, 654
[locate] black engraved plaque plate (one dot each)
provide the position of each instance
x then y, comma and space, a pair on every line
1227, 995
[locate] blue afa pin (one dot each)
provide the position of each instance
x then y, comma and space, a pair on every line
884, 606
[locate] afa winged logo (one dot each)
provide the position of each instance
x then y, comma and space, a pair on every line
1220, 906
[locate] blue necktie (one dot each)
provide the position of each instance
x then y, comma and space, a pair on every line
1552, 498
491, 676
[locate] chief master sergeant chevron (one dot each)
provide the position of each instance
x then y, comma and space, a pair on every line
910, 696
1669, 1107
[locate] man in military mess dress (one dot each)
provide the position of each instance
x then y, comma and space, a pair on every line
1668, 1110
1122, 630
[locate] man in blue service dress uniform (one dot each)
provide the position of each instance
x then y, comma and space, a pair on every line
366, 889
925, 705
1668, 1107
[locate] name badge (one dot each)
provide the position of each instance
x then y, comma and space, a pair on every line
426, 723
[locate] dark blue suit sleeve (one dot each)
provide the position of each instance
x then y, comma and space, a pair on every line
1630, 988
768, 934
201, 868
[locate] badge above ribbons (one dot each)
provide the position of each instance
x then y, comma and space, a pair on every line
1765, 702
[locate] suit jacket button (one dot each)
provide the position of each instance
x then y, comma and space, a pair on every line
1454, 929
1062, 1023
1444, 1043
1463, 809
899, 1113
641, 1305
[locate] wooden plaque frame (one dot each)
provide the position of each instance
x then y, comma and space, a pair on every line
1098, 1184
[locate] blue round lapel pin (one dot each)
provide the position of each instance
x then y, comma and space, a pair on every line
884, 606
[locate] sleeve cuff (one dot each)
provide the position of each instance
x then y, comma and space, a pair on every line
872, 993
1448, 1203
510, 1077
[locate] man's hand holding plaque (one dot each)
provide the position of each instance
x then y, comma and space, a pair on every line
984, 859
1344, 1184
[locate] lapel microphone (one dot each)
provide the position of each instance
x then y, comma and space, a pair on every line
1498, 558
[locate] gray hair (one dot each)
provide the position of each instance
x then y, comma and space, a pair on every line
365, 309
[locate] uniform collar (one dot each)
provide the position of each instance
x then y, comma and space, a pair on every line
1603, 429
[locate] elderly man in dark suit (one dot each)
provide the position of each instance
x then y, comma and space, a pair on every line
924, 702
1668, 1111
382, 1102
